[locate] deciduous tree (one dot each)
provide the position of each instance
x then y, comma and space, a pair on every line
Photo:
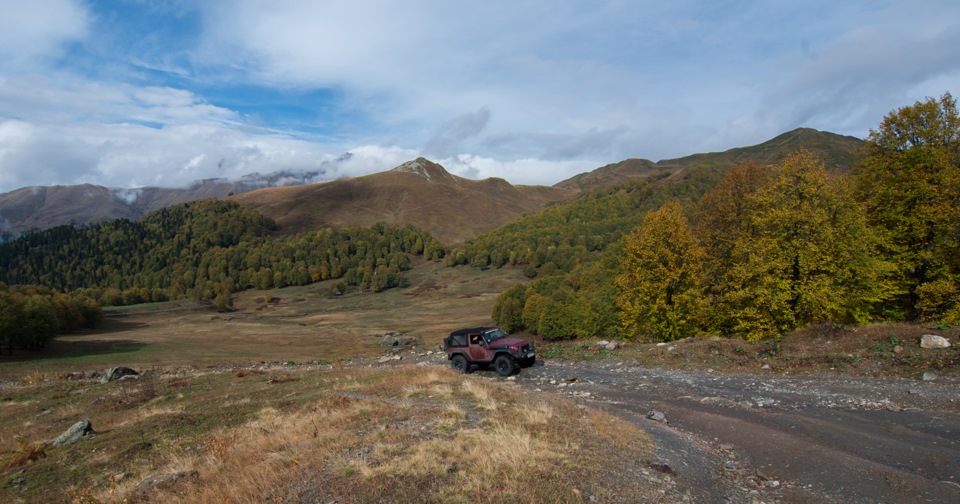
796, 251
909, 178
661, 285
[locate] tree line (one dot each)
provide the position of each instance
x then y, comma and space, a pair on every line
207, 249
767, 249
31, 316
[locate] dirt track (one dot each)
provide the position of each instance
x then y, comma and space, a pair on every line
781, 438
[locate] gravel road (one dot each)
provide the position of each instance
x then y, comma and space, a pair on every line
747, 437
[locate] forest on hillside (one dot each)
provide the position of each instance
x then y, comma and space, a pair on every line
753, 252
207, 249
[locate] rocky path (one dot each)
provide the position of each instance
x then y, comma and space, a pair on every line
780, 438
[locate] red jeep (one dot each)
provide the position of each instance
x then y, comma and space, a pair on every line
488, 345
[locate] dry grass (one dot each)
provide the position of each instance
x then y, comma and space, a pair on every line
25, 453
345, 435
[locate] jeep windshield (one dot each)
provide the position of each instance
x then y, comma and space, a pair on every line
494, 334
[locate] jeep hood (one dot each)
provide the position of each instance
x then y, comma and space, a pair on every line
507, 342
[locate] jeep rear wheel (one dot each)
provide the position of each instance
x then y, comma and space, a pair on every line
459, 364
505, 365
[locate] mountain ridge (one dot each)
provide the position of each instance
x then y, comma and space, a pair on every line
418, 192
388, 195
837, 151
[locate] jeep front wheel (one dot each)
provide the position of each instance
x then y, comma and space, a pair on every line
459, 364
505, 365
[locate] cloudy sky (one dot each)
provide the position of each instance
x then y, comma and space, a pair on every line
129, 93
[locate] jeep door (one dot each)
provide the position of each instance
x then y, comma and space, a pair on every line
478, 349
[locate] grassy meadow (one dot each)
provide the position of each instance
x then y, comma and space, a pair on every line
265, 404
299, 324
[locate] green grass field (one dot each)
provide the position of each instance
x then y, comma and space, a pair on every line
300, 324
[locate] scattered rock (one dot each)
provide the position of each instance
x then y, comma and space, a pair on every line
76, 432
765, 366
661, 467
720, 401
898, 349
765, 402
934, 341
15, 482
163, 481
115, 373
613, 345
929, 376
388, 358
397, 339
657, 416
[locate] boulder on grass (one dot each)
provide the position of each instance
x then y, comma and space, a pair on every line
80, 430
396, 339
115, 373
934, 341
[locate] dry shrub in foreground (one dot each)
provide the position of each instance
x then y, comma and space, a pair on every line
389, 438
25, 453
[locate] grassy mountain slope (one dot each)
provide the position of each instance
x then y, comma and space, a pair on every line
837, 151
604, 211
419, 192
44, 207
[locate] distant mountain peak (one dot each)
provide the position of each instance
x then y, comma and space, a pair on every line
427, 169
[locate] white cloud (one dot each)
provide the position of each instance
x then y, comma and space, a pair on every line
37, 30
522, 171
137, 137
526, 91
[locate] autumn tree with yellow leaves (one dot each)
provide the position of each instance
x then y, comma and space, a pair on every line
660, 289
909, 179
789, 247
